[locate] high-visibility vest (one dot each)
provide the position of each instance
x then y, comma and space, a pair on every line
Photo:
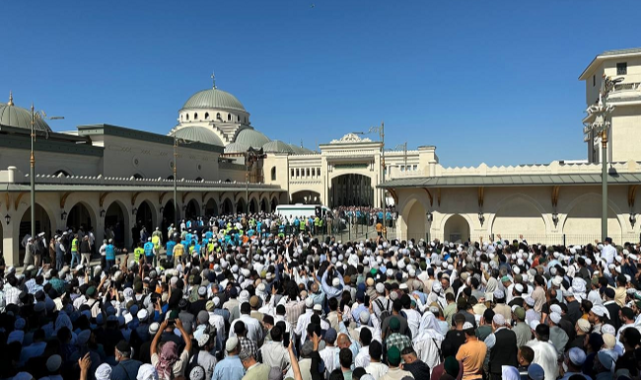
74, 245
137, 252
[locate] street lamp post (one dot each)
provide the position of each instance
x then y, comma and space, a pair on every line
381, 132
32, 163
600, 125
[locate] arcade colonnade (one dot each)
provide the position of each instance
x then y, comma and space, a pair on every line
544, 214
118, 211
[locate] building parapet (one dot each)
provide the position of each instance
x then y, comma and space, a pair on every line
14, 176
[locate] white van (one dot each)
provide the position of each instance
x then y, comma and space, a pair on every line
300, 210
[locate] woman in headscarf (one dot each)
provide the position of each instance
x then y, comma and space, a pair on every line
169, 363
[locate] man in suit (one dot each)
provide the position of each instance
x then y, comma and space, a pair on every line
505, 350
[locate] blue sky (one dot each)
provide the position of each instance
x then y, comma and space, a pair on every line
484, 81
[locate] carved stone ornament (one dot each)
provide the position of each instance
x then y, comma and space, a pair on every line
350, 138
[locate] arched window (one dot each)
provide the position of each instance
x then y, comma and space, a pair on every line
199, 179
228, 117
171, 177
138, 176
206, 115
239, 118
293, 172
187, 116
274, 173
297, 172
218, 116
228, 180
195, 116
59, 172
307, 172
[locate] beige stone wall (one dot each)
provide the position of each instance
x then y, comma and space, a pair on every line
124, 158
518, 210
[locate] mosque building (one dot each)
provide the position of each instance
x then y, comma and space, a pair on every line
109, 177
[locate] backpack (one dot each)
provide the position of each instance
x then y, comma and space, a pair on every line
385, 311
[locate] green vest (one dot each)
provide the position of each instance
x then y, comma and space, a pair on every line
137, 252
302, 225
74, 245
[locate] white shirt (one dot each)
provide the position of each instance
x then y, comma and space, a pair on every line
327, 354
608, 253
545, 355
363, 358
254, 331
377, 370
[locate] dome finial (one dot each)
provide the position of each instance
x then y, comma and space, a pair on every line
10, 98
213, 78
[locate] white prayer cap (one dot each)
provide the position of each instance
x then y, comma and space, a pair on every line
577, 356
599, 310
556, 309
499, 319
555, 317
533, 324
519, 288
516, 270
467, 326
336, 282
530, 301
608, 329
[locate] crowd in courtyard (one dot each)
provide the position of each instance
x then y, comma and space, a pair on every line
252, 297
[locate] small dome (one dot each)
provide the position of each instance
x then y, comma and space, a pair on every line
236, 147
301, 150
277, 146
199, 134
214, 98
18, 117
251, 137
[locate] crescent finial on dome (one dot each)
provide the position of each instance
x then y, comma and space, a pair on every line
10, 98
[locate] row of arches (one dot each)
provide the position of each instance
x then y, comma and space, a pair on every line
231, 118
116, 219
578, 222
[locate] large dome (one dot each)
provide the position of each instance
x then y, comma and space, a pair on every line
216, 99
18, 117
251, 137
199, 134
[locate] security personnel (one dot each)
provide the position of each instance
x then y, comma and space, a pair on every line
138, 252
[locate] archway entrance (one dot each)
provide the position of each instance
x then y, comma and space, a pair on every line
352, 190
583, 222
79, 219
43, 224
306, 197
456, 229
240, 206
253, 206
211, 208
116, 225
416, 221
263, 205
274, 204
519, 216
227, 207
168, 217
192, 212
144, 218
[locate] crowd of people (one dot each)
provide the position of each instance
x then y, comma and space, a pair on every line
240, 297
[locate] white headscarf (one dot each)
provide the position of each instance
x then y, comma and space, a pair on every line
147, 372
103, 372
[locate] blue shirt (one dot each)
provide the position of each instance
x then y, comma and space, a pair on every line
209, 235
170, 247
229, 368
149, 248
110, 252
